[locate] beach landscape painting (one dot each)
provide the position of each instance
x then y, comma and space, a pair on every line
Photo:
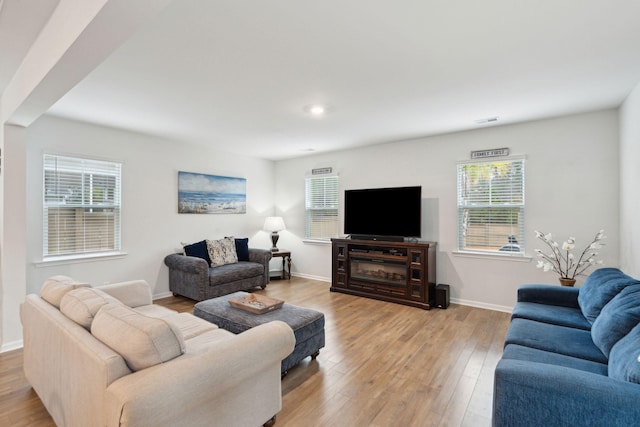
211, 194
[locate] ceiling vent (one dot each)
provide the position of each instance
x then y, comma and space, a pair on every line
487, 120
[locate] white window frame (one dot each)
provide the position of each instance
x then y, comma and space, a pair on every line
82, 204
322, 207
483, 206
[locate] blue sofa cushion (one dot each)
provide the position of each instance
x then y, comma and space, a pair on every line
554, 314
617, 318
518, 352
600, 288
624, 359
557, 339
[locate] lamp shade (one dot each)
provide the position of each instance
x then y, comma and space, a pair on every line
274, 223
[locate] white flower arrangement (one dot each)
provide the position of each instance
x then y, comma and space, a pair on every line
562, 261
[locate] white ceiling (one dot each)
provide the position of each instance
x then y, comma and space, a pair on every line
237, 74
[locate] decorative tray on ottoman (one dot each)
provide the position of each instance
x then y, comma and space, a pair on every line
255, 303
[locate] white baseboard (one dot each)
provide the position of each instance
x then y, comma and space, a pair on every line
10, 346
494, 307
309, 276
162, 295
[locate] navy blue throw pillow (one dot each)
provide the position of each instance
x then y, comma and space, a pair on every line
198, 250
242, 249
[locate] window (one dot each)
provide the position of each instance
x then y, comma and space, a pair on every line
321, 207
81, 206
491, 206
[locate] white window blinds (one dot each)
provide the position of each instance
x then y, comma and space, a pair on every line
321, 207
81, 206
491, 206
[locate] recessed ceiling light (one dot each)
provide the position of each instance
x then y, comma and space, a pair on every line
316, 110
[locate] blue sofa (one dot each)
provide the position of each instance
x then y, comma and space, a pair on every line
572, 355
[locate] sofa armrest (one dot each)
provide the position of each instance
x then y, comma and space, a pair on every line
261, 256
187, 264
188, 276
545, 394
206, 386
549, 294
133, 293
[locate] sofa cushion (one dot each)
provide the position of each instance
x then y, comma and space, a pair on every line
232, 272
554, 314
600, 288
155, 310
142, 341
198, 250
54, 288
202, 343
133, 293
242, 249
518, 352
82, 304
617, 318
189, 325
556, 339
222, 252
624, 359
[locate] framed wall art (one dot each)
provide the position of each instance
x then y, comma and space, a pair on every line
211, 194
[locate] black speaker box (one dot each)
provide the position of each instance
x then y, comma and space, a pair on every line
442, 296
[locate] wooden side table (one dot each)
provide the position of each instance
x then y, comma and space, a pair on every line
286, 257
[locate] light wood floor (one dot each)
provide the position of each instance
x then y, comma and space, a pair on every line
383, 365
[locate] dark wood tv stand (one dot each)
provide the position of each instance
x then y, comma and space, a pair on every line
400, 272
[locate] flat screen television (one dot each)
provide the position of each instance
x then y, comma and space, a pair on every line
383, 213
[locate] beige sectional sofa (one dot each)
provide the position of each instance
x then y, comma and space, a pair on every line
108, 357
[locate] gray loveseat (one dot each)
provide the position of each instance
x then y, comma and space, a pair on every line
194, 278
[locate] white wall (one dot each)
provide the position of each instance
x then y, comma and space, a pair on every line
2, 204
629, 180
571, 190
12, 237
76, 38
151, 226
